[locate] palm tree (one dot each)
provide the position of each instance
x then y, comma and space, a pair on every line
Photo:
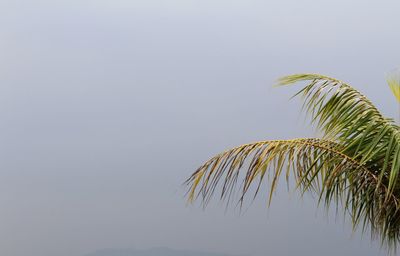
355, 164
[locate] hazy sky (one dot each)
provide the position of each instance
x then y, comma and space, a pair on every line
106, 107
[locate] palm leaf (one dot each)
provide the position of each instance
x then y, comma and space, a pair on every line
350, 118
356, 163
393, 79
317, 165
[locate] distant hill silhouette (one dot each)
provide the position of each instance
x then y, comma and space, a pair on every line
159, 251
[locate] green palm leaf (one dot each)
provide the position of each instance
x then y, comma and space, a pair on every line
349, 118
356, 163
393, 79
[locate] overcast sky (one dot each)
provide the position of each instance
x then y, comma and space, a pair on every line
106, 107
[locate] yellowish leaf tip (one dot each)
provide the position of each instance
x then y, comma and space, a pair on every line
393, 79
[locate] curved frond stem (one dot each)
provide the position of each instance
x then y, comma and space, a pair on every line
330, 82
318, 165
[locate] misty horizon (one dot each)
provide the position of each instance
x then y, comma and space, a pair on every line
107, 107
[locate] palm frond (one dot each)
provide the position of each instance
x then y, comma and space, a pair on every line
356, 163
317, 165
348, 117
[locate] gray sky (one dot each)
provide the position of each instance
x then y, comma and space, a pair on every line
107, 106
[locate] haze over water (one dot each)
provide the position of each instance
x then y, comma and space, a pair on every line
107, 107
